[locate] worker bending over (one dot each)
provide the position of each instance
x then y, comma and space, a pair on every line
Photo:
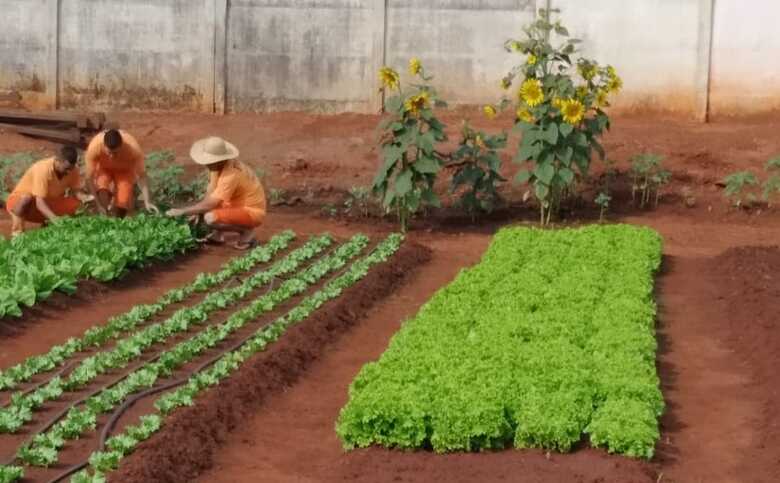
115, 163
40, 195
235, 199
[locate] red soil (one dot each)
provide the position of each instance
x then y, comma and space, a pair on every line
718, 333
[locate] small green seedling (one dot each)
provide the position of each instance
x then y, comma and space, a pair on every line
648, 177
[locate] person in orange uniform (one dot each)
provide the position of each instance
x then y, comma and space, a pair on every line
114, 163
235, 199
39, 197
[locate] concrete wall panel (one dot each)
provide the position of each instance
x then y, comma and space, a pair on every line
26, 43
460, 42
655, 45
149, 54
745, 61
318, 55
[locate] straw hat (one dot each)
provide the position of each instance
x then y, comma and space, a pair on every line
212, 150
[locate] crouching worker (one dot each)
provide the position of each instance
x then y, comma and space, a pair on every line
39, 197
114, 164
235, 199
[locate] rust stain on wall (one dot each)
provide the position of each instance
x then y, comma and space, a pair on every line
681, 104
109, 95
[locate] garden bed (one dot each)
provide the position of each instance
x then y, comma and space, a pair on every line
66, 402
551, 336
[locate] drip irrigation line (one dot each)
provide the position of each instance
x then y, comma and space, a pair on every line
105, 434
119, 412
39, 385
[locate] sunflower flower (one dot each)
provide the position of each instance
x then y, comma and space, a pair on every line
531, 92
415, 66
506, 83
490, 111
587, 71
415, 104
601, 98
615, 84
573, 111
525, 115
532, 59
515, 46
389, 78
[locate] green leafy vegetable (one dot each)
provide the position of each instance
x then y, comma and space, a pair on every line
549, 337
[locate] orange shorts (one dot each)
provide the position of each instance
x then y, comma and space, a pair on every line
61, 206
123, 183
238, 216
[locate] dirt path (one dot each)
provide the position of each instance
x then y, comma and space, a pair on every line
705, 435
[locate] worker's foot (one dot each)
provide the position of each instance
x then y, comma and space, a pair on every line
245, 245
246, 241
17, 225
213, 238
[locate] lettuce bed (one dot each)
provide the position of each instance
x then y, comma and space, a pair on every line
39, 262
551, 336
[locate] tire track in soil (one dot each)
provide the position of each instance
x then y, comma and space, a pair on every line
192, 436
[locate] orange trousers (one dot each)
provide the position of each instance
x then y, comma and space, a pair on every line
238, 216
123, 184
61, 206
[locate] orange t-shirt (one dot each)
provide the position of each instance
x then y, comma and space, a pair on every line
237, 186
128, 159
41, 181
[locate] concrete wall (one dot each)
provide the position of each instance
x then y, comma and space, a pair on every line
687, 57
319, 55
745, 60
148, 54
659, 47
460, 42
27, 47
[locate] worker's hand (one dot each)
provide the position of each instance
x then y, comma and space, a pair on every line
152, 208
174, 212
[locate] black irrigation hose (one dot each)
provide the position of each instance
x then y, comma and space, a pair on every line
97, 391
111, 423
234, 279
119, 412
59, 373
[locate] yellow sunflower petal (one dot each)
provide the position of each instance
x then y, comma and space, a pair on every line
531, 92
524, 115
490, 111
573, 111
389, 78
415, 66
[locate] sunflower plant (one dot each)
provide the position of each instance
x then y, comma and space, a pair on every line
477, 167
410, 133
559, 107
